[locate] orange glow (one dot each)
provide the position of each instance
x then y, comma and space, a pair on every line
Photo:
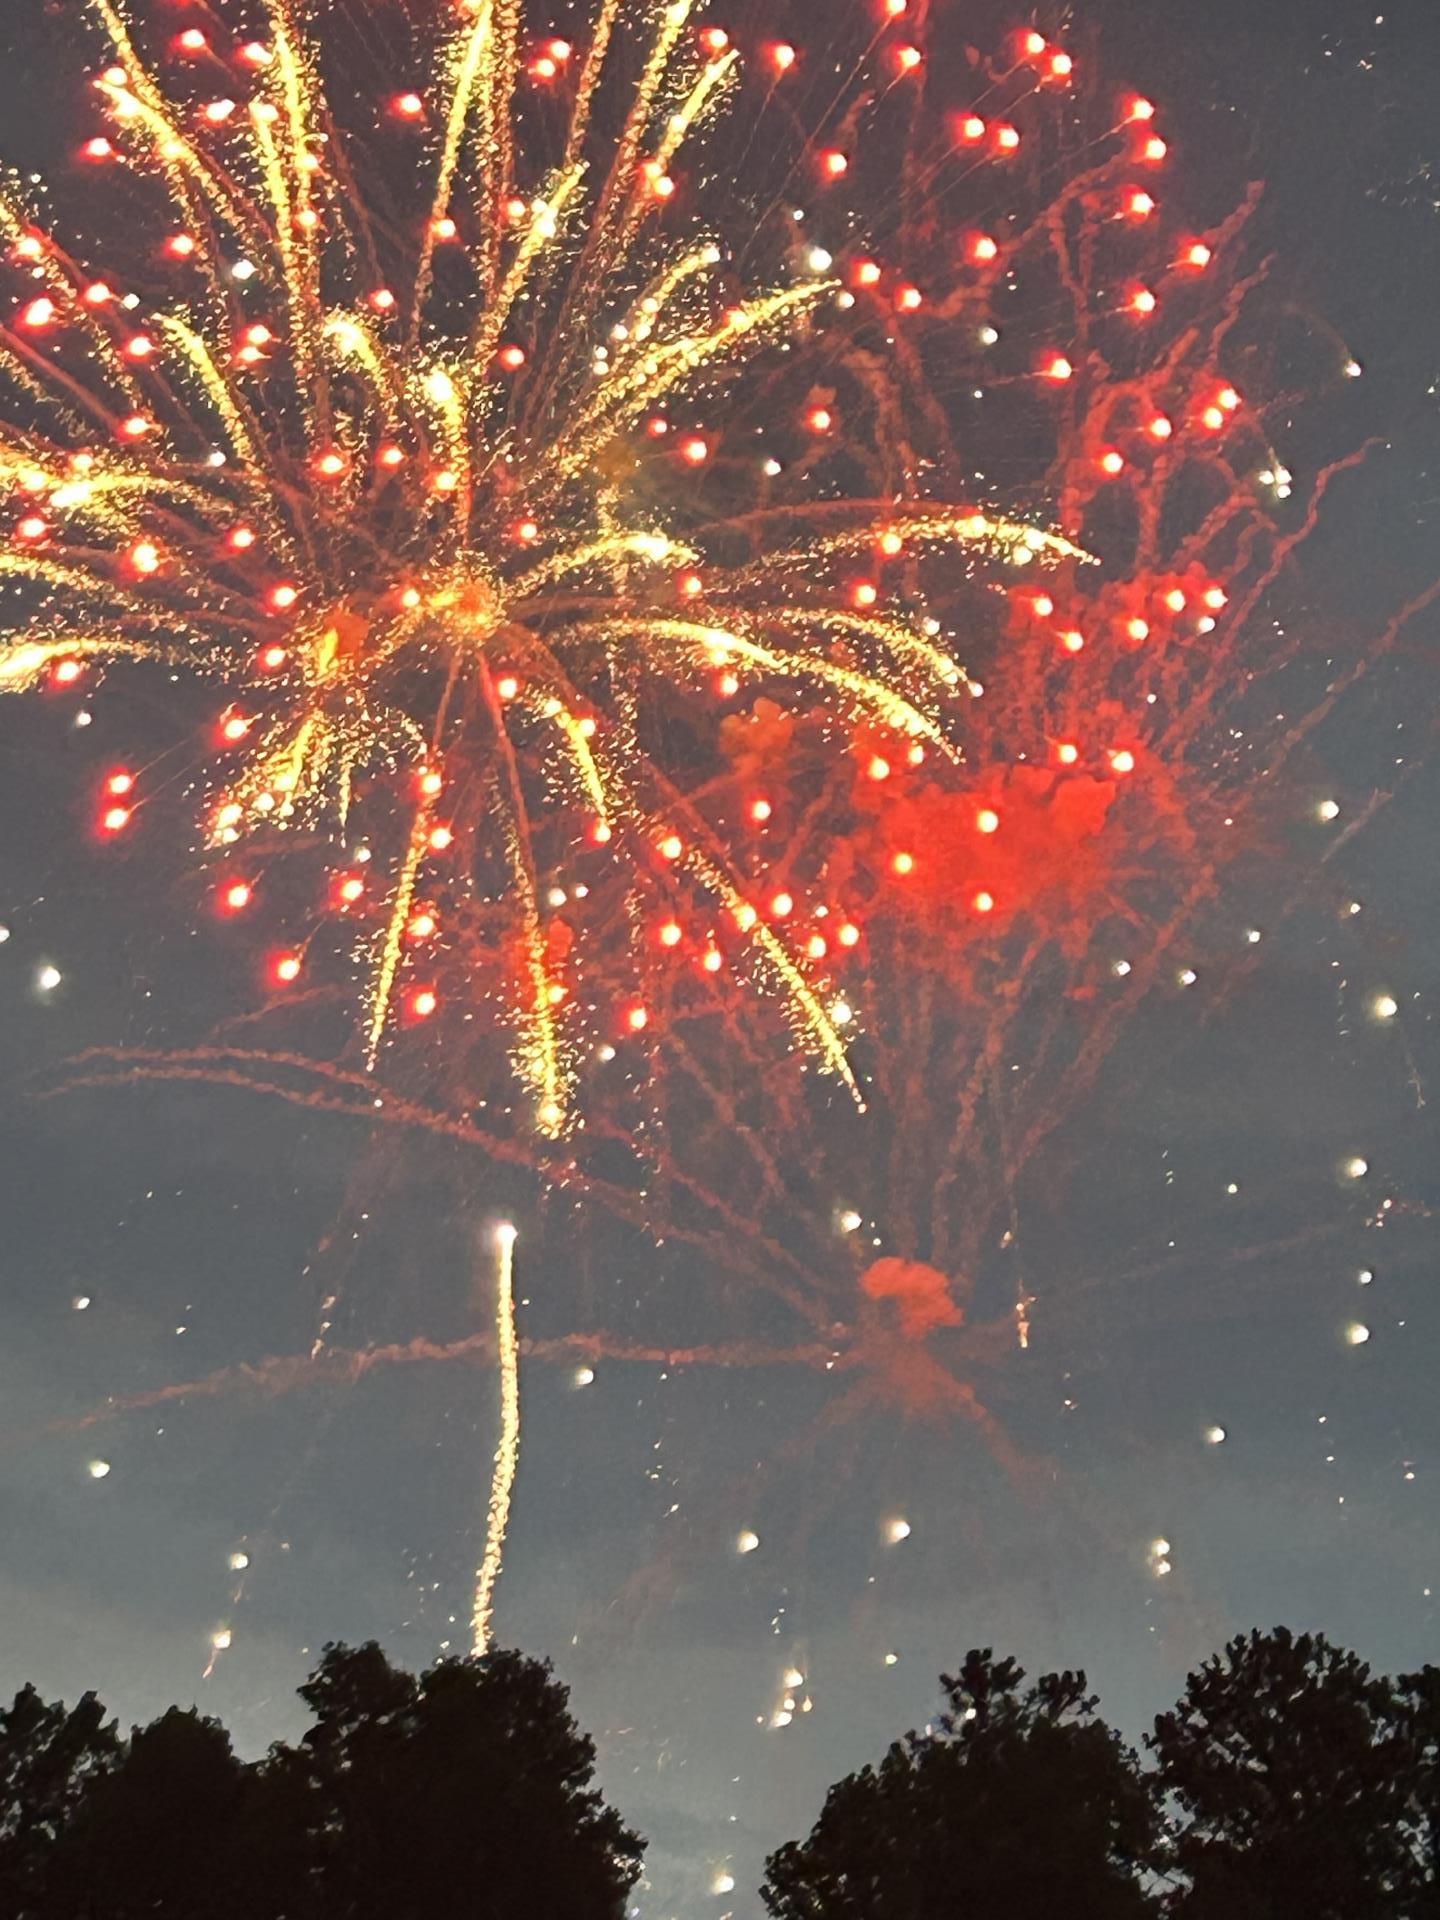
782, 905
286, 968
637, 1019
848, 935
145, 557
512, 358
878, 769
423, 1002
421, 926
1138, 628
760, 811
670, 934
983, 902
408, 105
350, 888
834, 162
1112, 462
237, 896
972, 128
1007, 138
987, 820
672, 846
782, 56
983, 248
1067, 753
696, 451
1139, 205
1058, 369
903, 863
284, 596
440, 839
1160, 428
909, 299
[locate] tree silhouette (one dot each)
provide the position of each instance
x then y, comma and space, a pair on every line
49, 1756
1018, 1805
161, 1832
465, 1791
1298, 1777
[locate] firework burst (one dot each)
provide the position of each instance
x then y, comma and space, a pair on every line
405, 475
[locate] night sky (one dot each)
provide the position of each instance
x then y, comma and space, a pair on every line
1208, 1255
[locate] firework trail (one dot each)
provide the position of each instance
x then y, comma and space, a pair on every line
507, 1451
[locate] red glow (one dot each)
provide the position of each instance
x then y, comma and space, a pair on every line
65, 672
192, 41
782, 56
235, 897
285, 968
637, 1019
409, 106
1007, 138
834, 162
983, 248
1058, 369
120, 782
272, 657
984, 902
40, 313
423, 1002
349, 888
1112, 462
512, 358
696, 451
115, 819
760, 811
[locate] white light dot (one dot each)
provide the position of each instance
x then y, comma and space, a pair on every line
48, 978
746, 1541
849, 1221
723, 1883
1214, 1436
896, 1531
98, 1469
221, 1639
1384, 1006
1327, 809
1365, 1276
1120, 969
1356, 1167
80, 1302
4, 935
1252, 935
584, 1376
1187, 976
1357, 1333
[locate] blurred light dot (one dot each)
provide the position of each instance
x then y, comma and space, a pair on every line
746, 1541
1357, 1333
1356, 1167
98, 1469
1384, 1007
1327, 809
584, 1376
1214, 1436
896, 1531
48, 978
239, 1561
80, 1302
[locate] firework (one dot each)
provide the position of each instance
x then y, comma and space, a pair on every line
507, 1451
413, 485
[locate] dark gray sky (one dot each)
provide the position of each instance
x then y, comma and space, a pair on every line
194, 1221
